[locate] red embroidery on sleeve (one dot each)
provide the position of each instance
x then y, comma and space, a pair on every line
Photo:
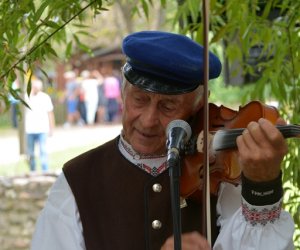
255, 216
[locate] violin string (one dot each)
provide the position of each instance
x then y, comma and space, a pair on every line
227, 138
289, 130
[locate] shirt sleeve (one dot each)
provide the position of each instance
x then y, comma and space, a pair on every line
244, 226
58, 225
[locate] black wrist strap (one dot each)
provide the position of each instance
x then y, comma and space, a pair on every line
262, 193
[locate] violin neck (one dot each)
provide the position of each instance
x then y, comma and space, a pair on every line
226, 139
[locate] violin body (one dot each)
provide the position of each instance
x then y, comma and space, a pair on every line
224, 165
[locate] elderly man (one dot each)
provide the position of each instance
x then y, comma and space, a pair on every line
117, 196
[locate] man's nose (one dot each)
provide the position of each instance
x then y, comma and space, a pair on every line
151, 116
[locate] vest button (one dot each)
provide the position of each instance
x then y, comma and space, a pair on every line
156, 224
157, 188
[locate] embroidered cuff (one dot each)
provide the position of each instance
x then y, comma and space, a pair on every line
263, 215
262, 193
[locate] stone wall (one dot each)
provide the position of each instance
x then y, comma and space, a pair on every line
21, 200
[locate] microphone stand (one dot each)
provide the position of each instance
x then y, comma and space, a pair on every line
174, 173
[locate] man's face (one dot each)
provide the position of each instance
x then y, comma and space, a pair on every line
146, 116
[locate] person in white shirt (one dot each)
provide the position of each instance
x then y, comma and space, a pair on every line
117, 196
39, 124
89, 85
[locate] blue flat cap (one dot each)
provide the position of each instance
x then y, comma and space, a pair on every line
166, 63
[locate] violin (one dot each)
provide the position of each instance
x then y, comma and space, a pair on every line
225, 125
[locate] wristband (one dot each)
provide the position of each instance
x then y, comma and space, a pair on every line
262, 193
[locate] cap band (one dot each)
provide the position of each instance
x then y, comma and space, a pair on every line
154, 84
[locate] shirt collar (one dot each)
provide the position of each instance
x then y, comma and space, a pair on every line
152, 164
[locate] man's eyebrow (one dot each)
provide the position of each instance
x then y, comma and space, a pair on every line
171, 100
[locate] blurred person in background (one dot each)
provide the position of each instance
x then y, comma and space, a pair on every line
14, 103
89, 87
81, 101
39, 124
112, 95
72, 99
101, 107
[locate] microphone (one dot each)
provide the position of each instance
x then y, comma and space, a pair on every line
178, 133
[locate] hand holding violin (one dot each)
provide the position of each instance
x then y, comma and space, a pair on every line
189, 241
261, 149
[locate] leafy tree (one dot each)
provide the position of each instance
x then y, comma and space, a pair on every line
273, 29
29, 30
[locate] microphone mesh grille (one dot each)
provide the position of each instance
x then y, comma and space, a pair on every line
181, 124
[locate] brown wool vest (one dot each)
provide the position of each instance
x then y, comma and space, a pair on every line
117, 204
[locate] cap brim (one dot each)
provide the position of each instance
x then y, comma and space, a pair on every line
155, 84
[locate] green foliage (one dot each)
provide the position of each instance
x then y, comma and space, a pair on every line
239, 25
29, 31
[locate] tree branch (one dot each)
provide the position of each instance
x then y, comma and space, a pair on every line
46, 39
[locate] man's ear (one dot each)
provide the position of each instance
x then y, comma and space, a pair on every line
200, 104
200, 101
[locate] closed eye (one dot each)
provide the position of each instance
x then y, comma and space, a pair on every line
139, 99
168, 107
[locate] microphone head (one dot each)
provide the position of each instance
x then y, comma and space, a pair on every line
180, 124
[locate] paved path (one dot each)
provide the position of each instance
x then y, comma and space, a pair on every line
62, 138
